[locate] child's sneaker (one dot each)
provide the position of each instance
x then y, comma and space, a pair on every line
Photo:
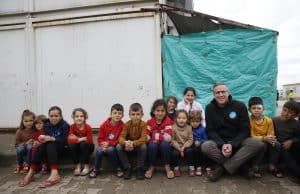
25, 168
199, 171
17, 170
208, 170
119, 173
192, 173
177, 173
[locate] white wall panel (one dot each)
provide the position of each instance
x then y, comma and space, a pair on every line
14, 86
94, 65
10, 6
42, 5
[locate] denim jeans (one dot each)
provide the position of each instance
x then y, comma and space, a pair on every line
24, 154
188, 155
111, 152
141, 152
164, 148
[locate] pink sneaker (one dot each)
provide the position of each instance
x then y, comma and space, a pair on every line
199, 171
177, 173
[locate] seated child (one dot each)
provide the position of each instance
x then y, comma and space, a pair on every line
189, 103
133, 139
108, 136
39, 128
23, 142
159, 132
182, 140
201, 162
287, 130
171, 104
80, 141
262, 129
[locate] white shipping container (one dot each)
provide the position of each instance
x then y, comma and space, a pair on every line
92, 61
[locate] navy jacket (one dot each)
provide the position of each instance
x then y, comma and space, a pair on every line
60, 131
228, 124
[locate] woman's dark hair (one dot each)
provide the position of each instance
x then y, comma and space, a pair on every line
26, 113
55, 108
157, 103
189, 89
85, 114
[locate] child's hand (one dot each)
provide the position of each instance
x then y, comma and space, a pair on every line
72, 136
181, 150
42, 139
36, 144
48, 138
269, 138
82, 139
128, 145
105, 144
104, 149
197, 143
287, 144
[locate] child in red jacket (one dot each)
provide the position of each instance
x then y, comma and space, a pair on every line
159, 133
80, 141
39, 128
108, 136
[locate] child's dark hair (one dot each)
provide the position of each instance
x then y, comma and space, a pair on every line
135, 107
172, 98
85, 114
255, 101
39, 118
157, 103
26, 113
293, 106
195, 115
189, 89
117, 107
182, 111
55, 108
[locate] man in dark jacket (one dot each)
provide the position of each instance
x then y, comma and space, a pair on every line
228, 128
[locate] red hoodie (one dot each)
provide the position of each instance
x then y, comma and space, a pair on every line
159, 133
109, 133
85, 132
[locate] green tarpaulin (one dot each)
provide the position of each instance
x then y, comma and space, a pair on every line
246, 60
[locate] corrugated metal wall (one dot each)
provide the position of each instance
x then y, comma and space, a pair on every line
91, 61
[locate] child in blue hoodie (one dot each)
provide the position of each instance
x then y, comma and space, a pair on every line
201, 162
53, 139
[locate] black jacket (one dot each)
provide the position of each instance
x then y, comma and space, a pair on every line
228, 124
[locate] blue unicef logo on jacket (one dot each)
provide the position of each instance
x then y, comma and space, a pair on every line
232, 115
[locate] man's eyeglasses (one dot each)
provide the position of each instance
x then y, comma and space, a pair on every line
221, 92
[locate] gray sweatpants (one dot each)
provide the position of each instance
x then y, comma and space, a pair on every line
250, 148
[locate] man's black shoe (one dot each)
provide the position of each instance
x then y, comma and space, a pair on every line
140, 174
127, 173
216, 174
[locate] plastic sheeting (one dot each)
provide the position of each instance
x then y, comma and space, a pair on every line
246, 60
